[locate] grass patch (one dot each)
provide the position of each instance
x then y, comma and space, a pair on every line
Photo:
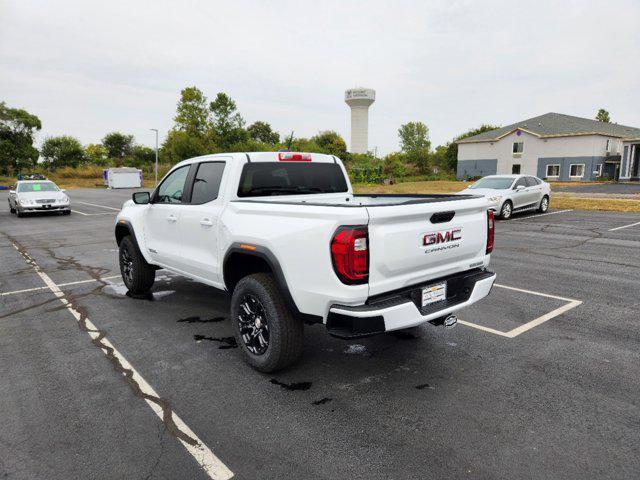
598, 204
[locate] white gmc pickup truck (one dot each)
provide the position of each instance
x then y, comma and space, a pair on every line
285, 235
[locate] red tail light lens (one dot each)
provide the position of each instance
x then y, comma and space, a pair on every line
491, 230
350, 254
294, 157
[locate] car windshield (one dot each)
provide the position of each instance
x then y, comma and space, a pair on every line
37, 187
497, 183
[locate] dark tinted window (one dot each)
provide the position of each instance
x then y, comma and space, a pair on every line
172, 187
207, 182
531, 182
515, 169
520, 182
290, 178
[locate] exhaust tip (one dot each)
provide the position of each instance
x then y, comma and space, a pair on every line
451, 321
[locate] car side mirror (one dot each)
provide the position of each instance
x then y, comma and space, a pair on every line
63, 190
519, 187
141, 198
12, 192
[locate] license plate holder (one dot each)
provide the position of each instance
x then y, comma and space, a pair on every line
434, 293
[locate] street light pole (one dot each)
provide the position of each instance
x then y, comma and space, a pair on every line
156, 130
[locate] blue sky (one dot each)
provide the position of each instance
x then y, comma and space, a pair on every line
86, 68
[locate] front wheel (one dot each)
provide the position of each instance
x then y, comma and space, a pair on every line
268, 335
544, 204
137, 274
506, 210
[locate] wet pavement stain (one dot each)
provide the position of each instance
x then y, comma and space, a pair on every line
292, 386
424, 386
228, 342
98, 336
202, 320
322, 401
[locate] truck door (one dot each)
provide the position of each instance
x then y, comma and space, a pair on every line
199, 223
161, 231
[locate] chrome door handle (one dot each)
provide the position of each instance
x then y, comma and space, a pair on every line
171, 218
205, 222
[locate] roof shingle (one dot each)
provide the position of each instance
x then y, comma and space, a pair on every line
557, 124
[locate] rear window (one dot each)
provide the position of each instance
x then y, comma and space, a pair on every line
290, 178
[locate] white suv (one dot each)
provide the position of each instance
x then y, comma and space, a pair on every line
508, 194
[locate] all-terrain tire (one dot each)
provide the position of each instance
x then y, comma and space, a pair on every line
285, 333
506, 211
137, 274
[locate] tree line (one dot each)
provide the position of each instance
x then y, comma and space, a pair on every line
203, 127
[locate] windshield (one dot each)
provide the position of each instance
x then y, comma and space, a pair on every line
497, 183
289, 178
37, 187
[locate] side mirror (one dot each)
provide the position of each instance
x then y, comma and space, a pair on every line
141, 198
519, 187
12, 192
63, 190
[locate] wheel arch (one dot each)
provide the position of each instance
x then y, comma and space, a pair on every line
239, 262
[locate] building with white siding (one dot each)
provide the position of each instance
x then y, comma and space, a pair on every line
554, 146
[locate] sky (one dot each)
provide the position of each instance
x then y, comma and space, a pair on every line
87, 68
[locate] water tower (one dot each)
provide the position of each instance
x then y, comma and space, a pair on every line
360, 99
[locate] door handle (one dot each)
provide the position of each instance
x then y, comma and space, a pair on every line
171, 218
205, 222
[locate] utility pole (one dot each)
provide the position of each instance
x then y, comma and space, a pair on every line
156, 130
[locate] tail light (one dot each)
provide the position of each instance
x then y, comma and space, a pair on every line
350, 254
491, 230
294, 157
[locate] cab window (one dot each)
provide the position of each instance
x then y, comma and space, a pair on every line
172, 188
531, 182
206, 184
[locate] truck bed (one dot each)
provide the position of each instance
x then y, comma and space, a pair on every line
356, 200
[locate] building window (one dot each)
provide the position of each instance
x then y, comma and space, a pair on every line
553, 171
576, 170
608, 149
515, 169
598, 170
518, 147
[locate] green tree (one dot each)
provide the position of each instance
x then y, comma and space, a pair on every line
228, 124
394, 165
180, 145
414, 136
17, 131
192, 115
262, 132
331, 142
118, 145
142, 155
603, 116
62, 151
96, 154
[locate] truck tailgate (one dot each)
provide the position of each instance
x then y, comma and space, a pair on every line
414, 243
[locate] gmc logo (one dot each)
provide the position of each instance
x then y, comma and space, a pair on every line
444, 236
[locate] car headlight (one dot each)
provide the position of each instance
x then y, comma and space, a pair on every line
25, 201
495, 198
64, 199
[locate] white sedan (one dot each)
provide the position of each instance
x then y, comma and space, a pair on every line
508, 194
30, 196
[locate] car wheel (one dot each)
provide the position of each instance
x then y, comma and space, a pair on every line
268, 335
137, 274
19, 214
11, 209
506, 210
544, 204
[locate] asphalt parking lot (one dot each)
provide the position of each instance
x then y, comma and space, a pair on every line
541, 380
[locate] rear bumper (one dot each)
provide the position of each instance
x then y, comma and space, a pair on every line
402, 309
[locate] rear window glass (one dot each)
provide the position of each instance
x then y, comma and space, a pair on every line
290, 178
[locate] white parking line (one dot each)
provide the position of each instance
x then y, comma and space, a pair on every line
91, 214
571, 303
624, 226
211, 464
26, 290
541, 215
101, 206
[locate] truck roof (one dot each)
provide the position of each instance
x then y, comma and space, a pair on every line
261, 157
